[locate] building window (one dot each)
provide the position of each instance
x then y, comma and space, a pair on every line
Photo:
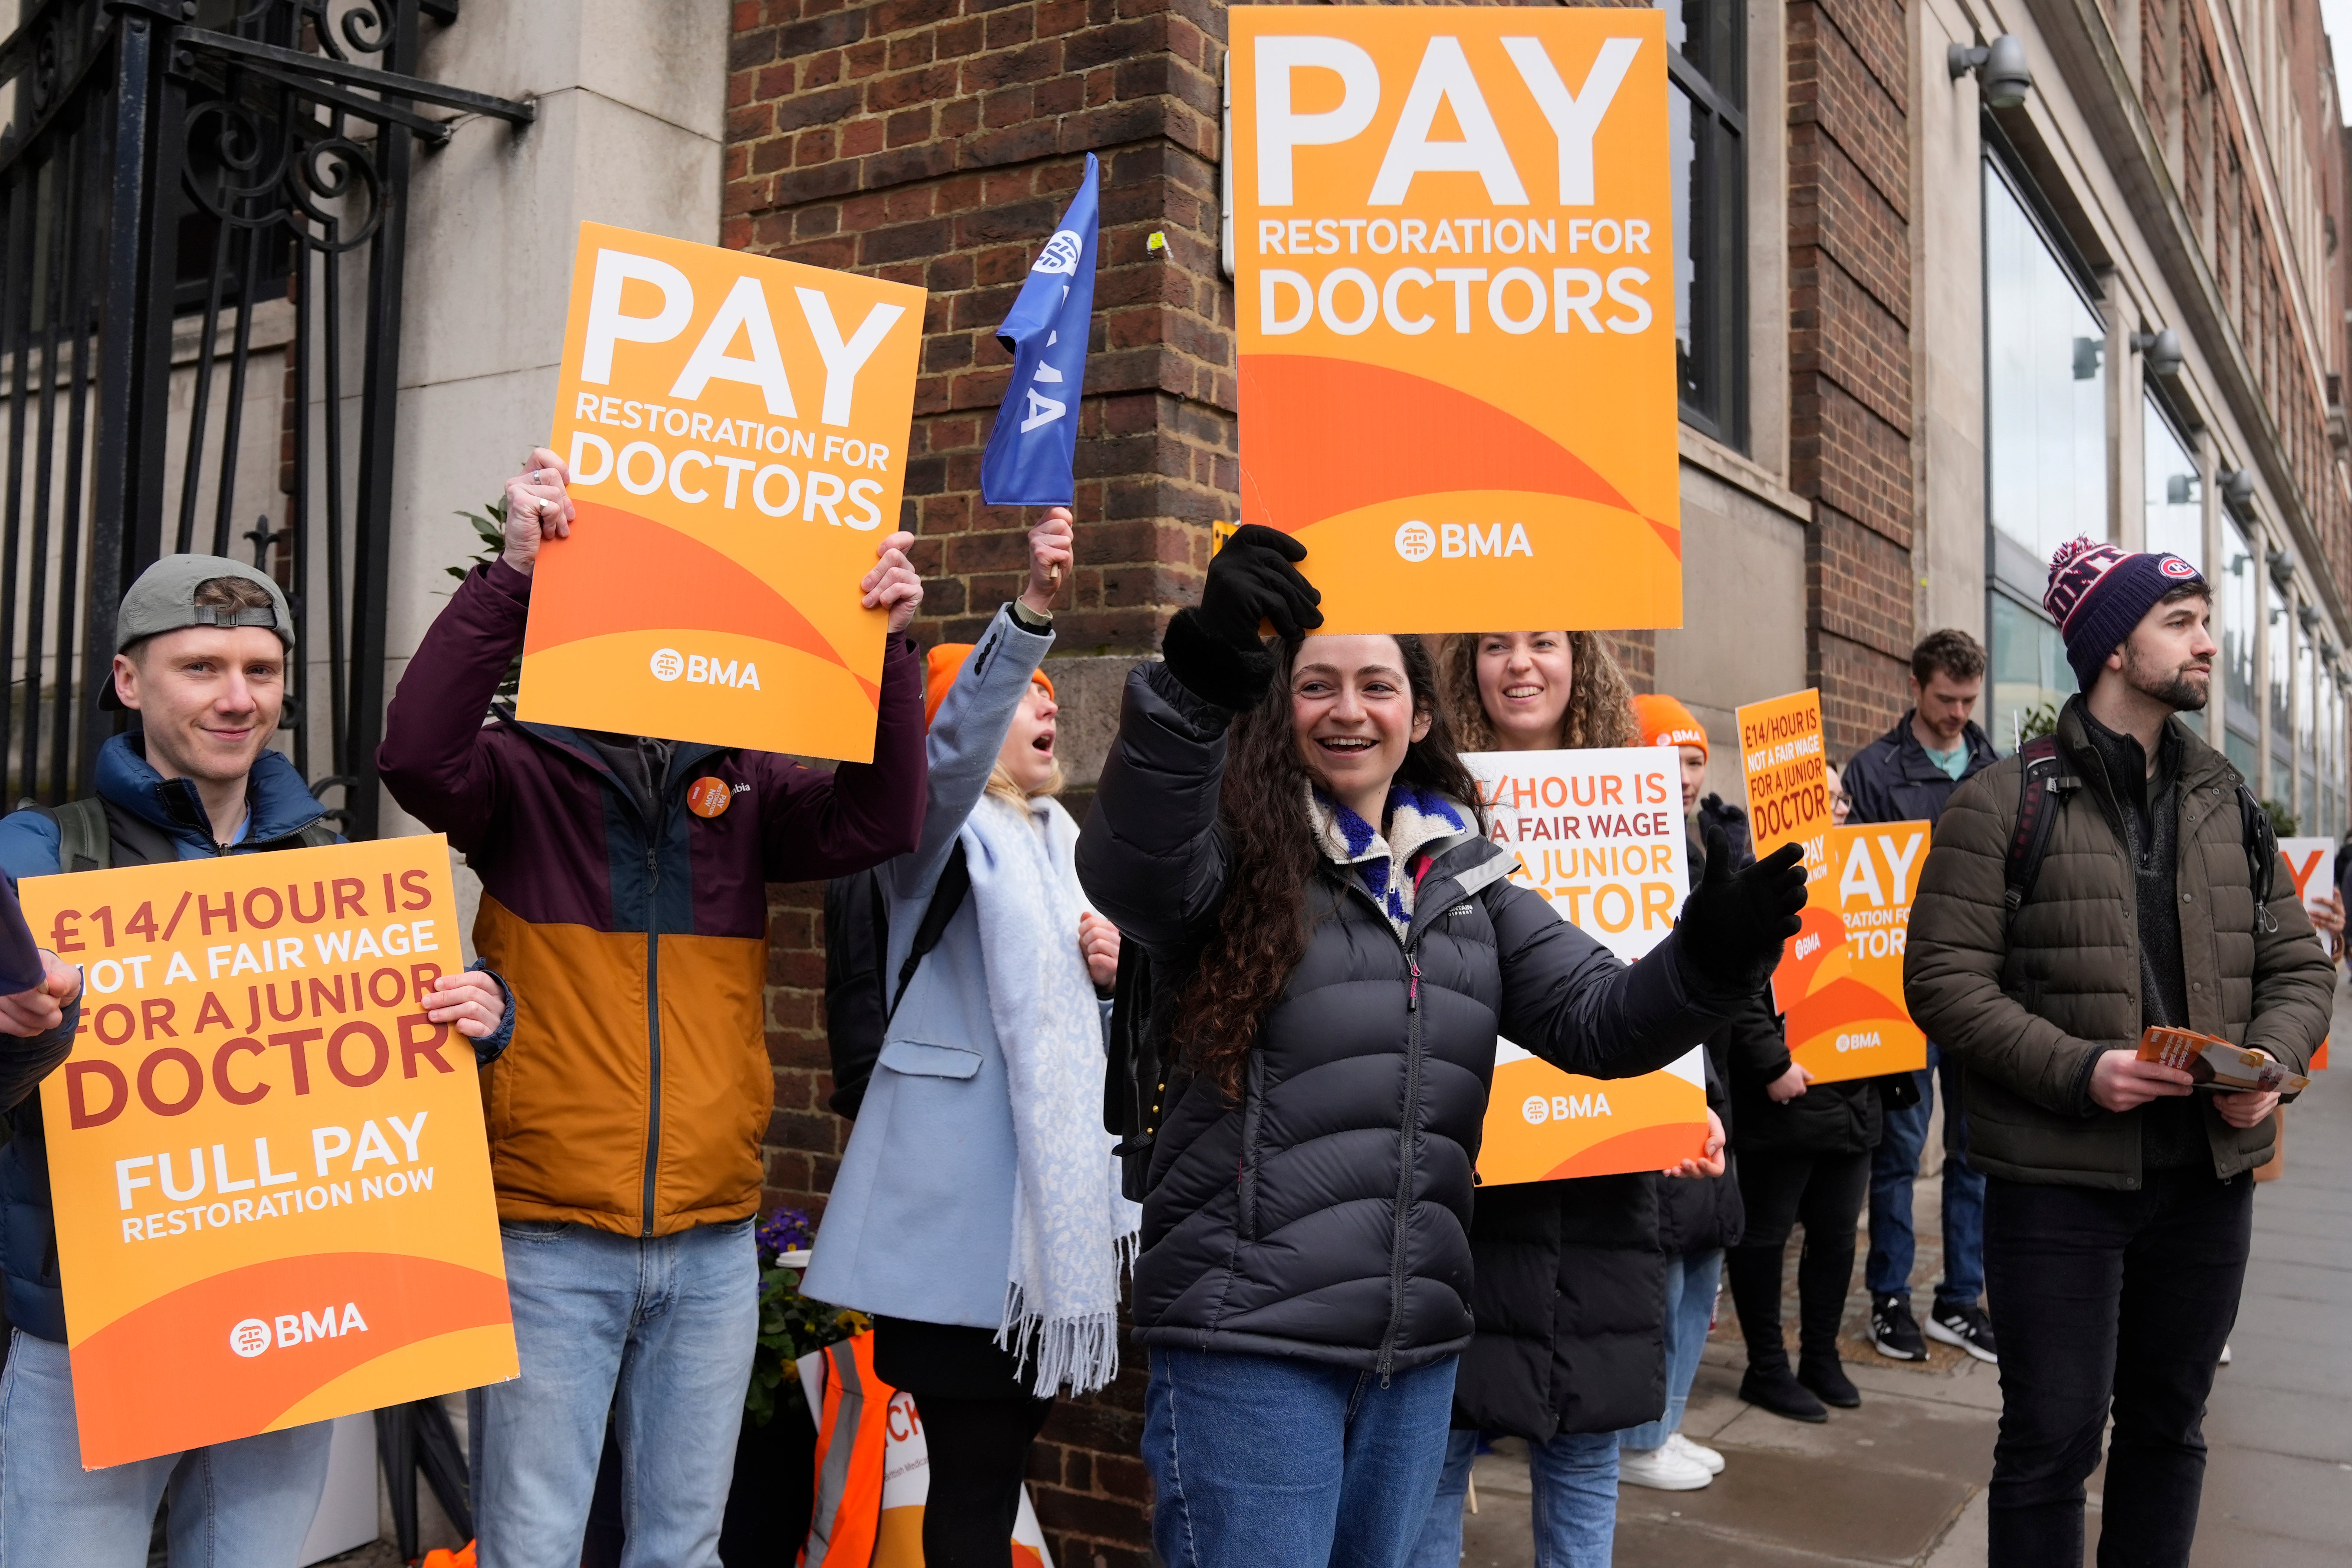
1707, 131
2176, 516
2045, 444
2240, 592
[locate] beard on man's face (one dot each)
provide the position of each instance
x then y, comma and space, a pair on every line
2178, 687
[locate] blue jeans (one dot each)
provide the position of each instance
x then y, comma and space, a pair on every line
1691, 1281
1574, 1479
659, 1334
1894, 1166
247, 1502
1263, 1459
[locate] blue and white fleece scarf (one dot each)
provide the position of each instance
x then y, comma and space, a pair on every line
1420, 823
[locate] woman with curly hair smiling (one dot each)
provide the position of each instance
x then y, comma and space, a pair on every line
1285, 828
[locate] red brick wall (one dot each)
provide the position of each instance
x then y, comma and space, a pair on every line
1850, 354
935, 141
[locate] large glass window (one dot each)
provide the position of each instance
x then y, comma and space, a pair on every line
2176, 515
2239, 588
2046, 423
1706, 65
2046, 446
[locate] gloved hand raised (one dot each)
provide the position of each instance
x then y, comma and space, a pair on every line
1734, 923
1215, 650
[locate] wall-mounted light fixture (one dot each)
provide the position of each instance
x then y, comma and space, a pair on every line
2308, 616
2163, 351
2282, 567
2002, 75
2237, 487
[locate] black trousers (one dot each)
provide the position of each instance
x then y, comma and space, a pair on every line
1825, 1193
979, 1421
2100, 1299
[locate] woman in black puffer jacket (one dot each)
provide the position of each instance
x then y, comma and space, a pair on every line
1335, 946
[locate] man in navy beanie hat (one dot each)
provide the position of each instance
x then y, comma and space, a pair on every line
2118, 1204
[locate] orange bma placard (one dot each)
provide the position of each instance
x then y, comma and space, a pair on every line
1455, 278
1600, 835
1841, 980
737, 431
1784, 765
272, 1189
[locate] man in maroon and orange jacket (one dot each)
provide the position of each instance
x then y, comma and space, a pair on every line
625, 1119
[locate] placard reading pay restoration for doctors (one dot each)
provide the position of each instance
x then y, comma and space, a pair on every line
1453, 253
273, 1193
737, 431
1599, 834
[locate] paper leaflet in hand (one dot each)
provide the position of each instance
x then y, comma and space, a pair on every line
2216, 1064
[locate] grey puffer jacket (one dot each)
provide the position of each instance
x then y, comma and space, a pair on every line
2028, 1005
1325, 1216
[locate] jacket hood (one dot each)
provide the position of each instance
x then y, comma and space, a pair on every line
281, 804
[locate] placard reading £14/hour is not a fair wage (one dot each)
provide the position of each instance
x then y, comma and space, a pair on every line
1600, 834
272, 1189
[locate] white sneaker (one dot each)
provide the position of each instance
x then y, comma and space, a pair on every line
1662, 1470
1698, 1452
2225, 1353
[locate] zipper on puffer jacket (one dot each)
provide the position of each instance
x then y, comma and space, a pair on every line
1252, 1110
652, 1022
1405, 1127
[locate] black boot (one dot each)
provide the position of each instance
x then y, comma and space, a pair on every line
1755, 1274
1822, 1280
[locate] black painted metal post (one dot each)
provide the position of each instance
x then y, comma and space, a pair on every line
380, 405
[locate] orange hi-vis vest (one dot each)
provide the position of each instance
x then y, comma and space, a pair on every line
850, 1439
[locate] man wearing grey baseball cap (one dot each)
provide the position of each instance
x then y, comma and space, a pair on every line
201, 649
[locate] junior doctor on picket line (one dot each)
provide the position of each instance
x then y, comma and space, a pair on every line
201, 648
624, 1122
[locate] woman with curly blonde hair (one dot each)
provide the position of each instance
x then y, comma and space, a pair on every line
1500, 689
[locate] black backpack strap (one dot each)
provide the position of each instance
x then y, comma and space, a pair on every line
2039, 780
947, 897
2260, 839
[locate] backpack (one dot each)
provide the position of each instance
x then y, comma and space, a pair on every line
2043, 779
86, 835
857, 1005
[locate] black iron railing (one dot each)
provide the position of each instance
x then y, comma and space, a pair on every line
201, 218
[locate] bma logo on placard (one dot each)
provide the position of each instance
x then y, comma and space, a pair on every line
1539, 1108
1417, 541
700, 669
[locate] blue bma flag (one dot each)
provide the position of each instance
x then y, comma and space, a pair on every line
1030, 451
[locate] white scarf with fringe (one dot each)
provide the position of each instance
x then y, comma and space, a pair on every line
1074, 1233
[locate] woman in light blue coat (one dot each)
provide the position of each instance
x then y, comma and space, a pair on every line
977, 1216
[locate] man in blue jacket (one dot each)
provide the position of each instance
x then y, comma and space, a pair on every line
202, 644
1906, 775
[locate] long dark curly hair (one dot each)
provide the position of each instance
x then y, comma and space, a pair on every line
1600, 699
1263, 924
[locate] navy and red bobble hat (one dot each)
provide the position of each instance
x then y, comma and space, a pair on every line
2098, 592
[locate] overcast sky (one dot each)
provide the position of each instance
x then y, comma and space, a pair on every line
2337, 15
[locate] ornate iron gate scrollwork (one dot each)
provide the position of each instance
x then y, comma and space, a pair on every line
203, 211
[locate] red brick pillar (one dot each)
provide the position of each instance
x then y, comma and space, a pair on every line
1850, 355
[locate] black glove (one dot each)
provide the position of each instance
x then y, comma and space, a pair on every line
1215, 650
1733, 924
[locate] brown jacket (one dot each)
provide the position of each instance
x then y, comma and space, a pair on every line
2028, 1003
